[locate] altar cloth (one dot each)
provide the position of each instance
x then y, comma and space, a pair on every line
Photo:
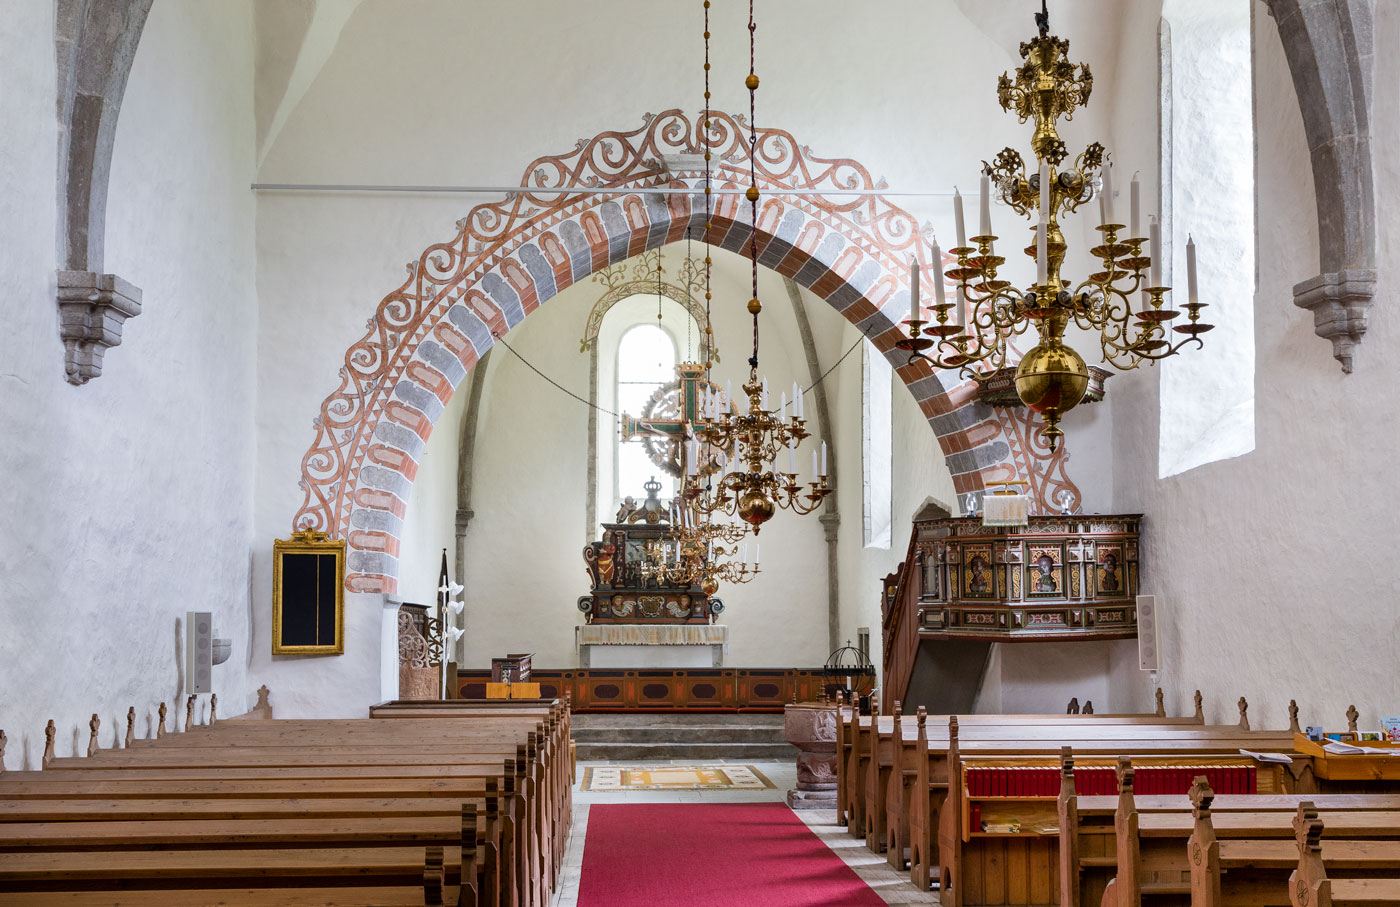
653, 635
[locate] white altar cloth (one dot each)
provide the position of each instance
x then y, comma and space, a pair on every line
651, 645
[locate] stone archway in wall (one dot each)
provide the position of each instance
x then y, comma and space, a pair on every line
509, 258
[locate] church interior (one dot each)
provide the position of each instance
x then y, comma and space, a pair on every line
724, 452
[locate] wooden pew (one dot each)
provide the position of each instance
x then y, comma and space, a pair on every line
988, 868
48, 823
1174, 852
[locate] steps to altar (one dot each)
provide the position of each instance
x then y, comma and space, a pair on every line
745, 736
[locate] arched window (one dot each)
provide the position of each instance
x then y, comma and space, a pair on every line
646, 360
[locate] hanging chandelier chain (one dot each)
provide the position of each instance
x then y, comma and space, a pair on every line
752, 83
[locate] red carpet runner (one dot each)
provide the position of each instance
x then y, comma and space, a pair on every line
711, 855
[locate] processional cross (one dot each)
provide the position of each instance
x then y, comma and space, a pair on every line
671, 417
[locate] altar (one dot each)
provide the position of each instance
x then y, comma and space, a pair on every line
670, 645
635, 618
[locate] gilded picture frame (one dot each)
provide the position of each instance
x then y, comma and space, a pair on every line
308, 595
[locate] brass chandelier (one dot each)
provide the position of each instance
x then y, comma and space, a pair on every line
974, 332
755, 490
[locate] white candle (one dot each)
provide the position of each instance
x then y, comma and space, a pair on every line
1106, 194
823, 472
913, 288
984, 227
1154, 249
744, 552
814, 464
958, 218
757, 546
796, 393
728, 394
782, 408
937, 273
1191, 293
1135, 222
959, 309
1044, 190
792, 457
1042, 259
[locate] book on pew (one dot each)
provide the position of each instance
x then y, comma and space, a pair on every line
1280, 758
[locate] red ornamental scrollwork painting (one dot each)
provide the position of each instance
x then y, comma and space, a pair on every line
508, 257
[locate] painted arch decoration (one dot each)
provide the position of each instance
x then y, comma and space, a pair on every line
509, 258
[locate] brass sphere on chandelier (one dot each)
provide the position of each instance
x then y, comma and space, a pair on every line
755, 508
1051, 380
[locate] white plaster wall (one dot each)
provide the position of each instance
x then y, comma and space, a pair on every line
1272, 565
129, 499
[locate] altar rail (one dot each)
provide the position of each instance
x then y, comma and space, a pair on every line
665, 690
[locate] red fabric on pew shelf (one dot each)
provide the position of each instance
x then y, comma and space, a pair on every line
711, 855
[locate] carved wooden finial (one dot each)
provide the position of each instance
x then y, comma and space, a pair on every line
49, 732
130, 727
3, 741
1244, 714
1088, 707
1161, 704
1201, 796
263, 703
213, 706
897, 711
952, 728
874, 710
840, 698
189, 712
1073, 707
1352, 715
433, 880
1125, 774
922, 717
1200, 712
1067, 762
94, 724
1293, 717
160, 725
1307, 826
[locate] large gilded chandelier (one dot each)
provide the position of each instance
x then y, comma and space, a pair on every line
974, 332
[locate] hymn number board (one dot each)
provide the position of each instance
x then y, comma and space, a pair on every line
308, 583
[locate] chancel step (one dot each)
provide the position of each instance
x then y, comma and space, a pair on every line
711, 736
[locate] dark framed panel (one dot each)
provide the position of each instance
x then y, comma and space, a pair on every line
308, 595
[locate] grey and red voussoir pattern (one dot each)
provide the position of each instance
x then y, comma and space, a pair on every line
509, 258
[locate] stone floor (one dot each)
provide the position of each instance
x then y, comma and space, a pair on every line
894, 887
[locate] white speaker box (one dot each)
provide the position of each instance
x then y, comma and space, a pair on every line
199, 652
1149, 615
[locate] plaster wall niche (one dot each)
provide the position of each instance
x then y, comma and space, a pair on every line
132, 495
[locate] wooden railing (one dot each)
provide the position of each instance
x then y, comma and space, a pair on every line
899, 611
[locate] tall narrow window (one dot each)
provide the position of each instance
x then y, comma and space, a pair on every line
646, 360
877, 446
1207, 396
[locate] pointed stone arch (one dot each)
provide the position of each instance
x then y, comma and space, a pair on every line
509, 258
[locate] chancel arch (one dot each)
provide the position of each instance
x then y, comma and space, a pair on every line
509, 258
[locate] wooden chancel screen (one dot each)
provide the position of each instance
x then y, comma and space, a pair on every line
308, 581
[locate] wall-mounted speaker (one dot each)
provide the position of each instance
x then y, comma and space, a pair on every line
1149, 619
199, 652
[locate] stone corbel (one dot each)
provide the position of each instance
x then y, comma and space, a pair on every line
1330, 46
91, 311
1339, 303
95, 42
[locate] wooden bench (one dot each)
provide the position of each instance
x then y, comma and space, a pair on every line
265, 812
1088, 834
977, 868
